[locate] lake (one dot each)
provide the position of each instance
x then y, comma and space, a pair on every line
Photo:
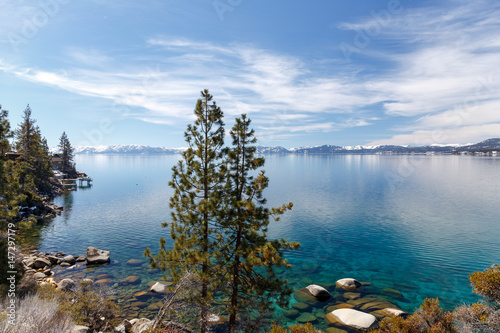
418, 224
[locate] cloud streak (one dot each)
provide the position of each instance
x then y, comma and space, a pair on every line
442, 77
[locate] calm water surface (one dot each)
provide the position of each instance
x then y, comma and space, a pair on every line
419, 224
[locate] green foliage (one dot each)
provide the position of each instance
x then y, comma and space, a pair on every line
487, 283
88, 307
219, 221
307, 328
248, 254
34, 168
197, 181
482, 317
428, 318
67, 152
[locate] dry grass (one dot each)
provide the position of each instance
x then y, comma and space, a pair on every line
36, 315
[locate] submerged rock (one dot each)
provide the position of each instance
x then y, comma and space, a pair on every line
306, 317
301, 306
104, 282
130, 280
292, 314
135, 262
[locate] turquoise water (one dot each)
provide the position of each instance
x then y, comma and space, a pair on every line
418, 224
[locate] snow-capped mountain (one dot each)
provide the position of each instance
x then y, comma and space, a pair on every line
487, 145
122, 149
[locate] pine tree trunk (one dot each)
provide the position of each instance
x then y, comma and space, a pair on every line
236, 277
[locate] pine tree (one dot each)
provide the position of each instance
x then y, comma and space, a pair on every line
67, 152
9, 185
35, 165
197, 181
249, 255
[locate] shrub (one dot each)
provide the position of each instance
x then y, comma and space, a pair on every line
487, 283
482, 317
36, 315
87, 307
428, 318
307, 328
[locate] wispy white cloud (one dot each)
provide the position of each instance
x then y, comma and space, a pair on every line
88, 57
443, 75
244, 79
446, 75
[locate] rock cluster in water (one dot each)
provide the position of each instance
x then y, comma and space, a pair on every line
344, 305
40, 265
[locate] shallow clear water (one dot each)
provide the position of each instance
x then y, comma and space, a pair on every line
419, 224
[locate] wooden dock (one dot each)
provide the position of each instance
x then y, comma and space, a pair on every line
73, 182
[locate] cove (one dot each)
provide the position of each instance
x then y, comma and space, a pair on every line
415, 224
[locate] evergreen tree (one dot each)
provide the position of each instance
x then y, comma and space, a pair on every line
35, 165
9, 186
197, 181
5, 133
66, 152
249, 255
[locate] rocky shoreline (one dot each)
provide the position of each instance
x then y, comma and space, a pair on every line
39, 267
345, 305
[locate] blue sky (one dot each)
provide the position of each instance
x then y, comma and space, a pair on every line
306, 73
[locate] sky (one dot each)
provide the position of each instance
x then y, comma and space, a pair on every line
361, 72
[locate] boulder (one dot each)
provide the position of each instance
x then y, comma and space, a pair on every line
69, 259
67, 285
351, 295
29, 262
96, 256
142, 295
41, 263
124, 327
292, 314
335, 330
158, 288
130, 280
135, 262
39, 276
81, 259
393, 293
54, 259
319, 292
142, 325
330, 308
352, 318
214, 319
348, 284
391, 312
104, 282
154, 306
306, 317
301, 306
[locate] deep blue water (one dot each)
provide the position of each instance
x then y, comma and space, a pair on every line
419, 224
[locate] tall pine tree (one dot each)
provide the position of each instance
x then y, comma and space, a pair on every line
249, 256
9, 185
35, 165
197, 181
67, 153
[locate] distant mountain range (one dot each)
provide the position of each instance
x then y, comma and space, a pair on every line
487, 146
